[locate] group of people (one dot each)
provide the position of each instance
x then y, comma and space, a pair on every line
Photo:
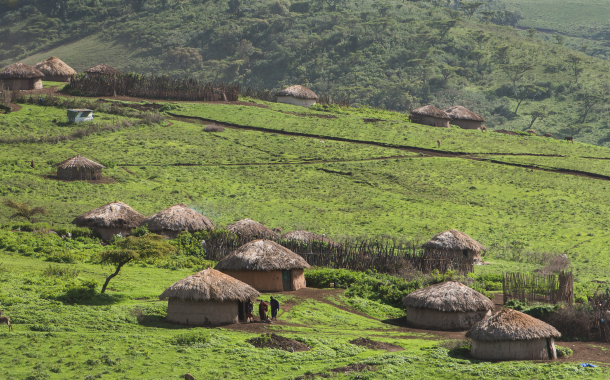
263, 308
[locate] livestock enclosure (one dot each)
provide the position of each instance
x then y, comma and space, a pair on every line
552, 288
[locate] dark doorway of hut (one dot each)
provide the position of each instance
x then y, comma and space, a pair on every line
241, 311
286, 279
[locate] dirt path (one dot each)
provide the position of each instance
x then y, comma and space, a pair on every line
128, 171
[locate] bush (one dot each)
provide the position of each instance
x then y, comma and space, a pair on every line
58, 271
78, 232
140, 231
562, 352
190, 244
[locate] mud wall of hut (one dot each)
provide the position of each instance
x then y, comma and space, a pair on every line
262, 281
430, 120
296, 101
201, 313
298, 279
443, 320
535, 349
23, 84
79, 174
107, 233
466, 124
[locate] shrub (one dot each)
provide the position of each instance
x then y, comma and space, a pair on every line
140, 231
58, 271
190, 244
562, 352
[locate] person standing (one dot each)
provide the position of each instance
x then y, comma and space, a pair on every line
262, 310
275, 306
249, 310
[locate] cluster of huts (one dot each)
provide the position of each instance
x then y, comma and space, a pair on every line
20, 76
456, 115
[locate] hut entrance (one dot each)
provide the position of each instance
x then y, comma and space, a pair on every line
241, 311
286, 279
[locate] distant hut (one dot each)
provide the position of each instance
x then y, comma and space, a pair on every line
447, 306
456, 243
297, 95
266, 266
56, 70
430, 115
306, 237
111, 219
208, 297
248, 228
79, 168
512, 335
171, 221
464, 118
102, 69
19, 76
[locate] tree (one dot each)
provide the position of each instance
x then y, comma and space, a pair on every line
22, 210
235, 7
531, 32
575, 64
541, 114
470, 9
559, 39
488, 15
133, 249
589, 99
516, 71
526, 92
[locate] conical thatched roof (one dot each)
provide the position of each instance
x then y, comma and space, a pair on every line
305, 236
432, 111
111, 215
462, 113
210, 285
103, 69
178, 218
20, 71
299, 92
509, 324
249, 228
264, 255
80, 162
54, 67
448, 296
454, 240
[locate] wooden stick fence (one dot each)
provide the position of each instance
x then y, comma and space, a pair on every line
552, 288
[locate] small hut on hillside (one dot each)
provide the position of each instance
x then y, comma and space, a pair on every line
248, 228
19, 76
430, 115
297, 95
102, 69
171, 221
208, 297
447, 306
79, 168
512, 335
455, 243
266, 266
56, 70
464, 118
306, 237
111, 219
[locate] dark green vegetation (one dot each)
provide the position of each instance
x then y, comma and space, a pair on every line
393, 54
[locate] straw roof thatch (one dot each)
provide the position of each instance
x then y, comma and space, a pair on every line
263, 255
54, 67
509, 324
210, 285
432, 111
20, 71
299, 92
178, 218
306, 236
250, 228
79, 162
448, 296
454, 240
103, 69
111, 215
462, 113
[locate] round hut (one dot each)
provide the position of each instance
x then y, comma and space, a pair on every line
464, 118
512, 335
111, 219
248, 228
102, 69
79, 168
171, 221
447, 306
19, 76
297, 95
208, 297
456, 244
266, 266
430, 115
56, 70
306, 237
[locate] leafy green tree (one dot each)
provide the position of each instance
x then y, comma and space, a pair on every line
526, 92
559, 39
575, 63
470, 8
589, 98
516, 71
531, 32
538, 115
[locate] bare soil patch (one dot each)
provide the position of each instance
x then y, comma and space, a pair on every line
374, 345
358, 367
278, 342
15, 107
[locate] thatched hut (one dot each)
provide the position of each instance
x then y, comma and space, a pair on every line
306, 237
102, 69
171, 221
111, 219
19, 76
249, 228
56, 70
79, 168
208, 297
455, 243
297, 95
266, 266
430, 115
512, 335
447, 306
464, 118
